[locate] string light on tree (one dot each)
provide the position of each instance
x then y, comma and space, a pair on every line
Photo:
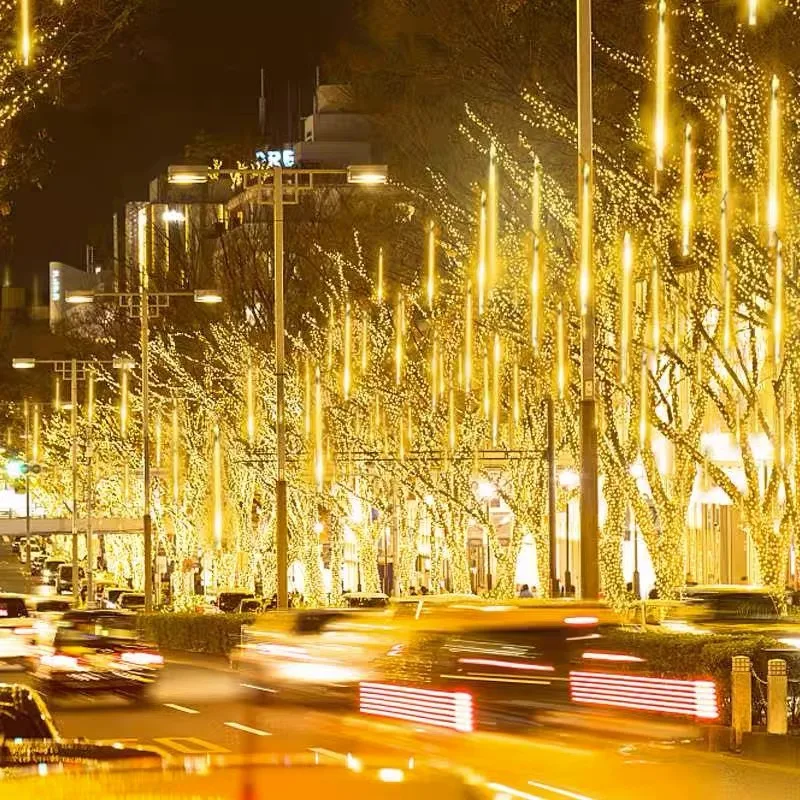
687, 208
660, 129
773, 189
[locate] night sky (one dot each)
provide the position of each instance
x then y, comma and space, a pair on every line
186, 66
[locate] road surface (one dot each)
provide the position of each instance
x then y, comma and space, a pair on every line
201, 707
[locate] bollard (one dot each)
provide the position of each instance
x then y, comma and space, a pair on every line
777, 689
741, 698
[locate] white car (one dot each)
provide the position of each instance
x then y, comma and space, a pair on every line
17, 632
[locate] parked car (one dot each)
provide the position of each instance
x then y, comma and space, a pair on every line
229, 601
251, 605
131, 601
113, 593
365, 599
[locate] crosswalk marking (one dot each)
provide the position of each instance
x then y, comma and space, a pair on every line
247, 729
185, 709
190, 745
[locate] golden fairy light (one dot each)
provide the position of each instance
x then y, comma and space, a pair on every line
561, 354
481, 276
497, 355
536, 198
643, 400
331, 323
123, 402
516, 408
586, 238
90, 387
686, 202
752, 12
347, 376
487, 398
35, 433
399, 331
773, 188
25, 32
778, 302
451, 419
401, 435
431, 282
467, 365
307, 399
626, 309
251, 405
655, 312
57, 394
492, 220
319, 452
216, 483
364, 341
660, 130
175, 434
158, 437
435, 367
379, 281
725, 211
536, 295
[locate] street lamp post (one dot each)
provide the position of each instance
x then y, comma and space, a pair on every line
590, 568
362, 174
144, 295
569, 480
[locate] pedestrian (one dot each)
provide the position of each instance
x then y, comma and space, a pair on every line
423, 590
525, 591
412, 591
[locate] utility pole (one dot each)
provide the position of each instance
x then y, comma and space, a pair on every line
551, 494
282, 531
73, 430
590, 570
147, 523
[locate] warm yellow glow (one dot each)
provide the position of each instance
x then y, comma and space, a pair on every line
26, 416
57, 395
399, 330
586, 238
492, 221
467, 366
497, 355
431, 282
25, 32
308, 402
660, 131
176, 453
536, 295
481, 276
141, 242
435, 367
250, 390
331, 324
123, 402
752, 12
347, 366
35, 433
686, 203
487, 398
90, 387
655, 311
319, 453
516, 408
379, 280
451, 419
643, 402
216, 467
536, 199
364, 341
626, 309
561, 354
773, 187
778, 303
401, 435
725, 210
158, 437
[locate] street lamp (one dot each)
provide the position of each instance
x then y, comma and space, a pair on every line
126, 299
569, 480
357, 174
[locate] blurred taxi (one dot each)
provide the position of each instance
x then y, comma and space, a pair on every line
99, 651
16, 631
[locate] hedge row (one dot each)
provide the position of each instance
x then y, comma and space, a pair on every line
216, 634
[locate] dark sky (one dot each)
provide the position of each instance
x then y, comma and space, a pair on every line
186, 66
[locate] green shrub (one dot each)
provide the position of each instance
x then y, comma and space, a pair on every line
216, 634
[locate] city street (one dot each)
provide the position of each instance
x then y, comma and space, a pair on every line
201, 707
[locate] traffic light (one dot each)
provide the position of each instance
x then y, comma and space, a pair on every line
15, 468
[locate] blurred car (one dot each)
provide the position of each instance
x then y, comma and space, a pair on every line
16, 632
24, 715
36, 552
365, 599
50, 570
112, 596
47, 607
64, 578
228, 601
131, 601
96, 651
505, 664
